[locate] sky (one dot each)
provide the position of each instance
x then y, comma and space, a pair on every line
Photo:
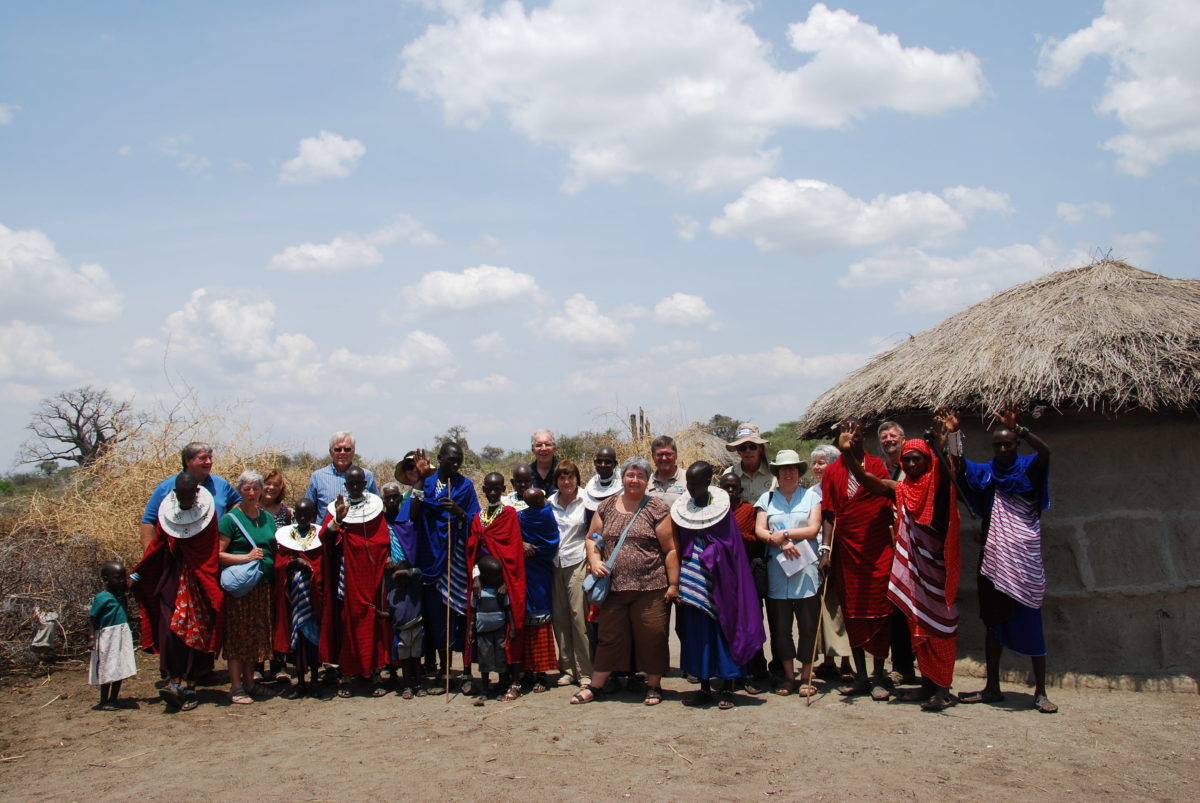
397, 217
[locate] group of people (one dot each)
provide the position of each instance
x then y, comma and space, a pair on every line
376, 588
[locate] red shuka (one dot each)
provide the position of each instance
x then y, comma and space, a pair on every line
502, 540
199, 556
862, 554
282, 637
353, 634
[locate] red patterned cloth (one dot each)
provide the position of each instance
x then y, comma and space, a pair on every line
192, 620
862, 548
353, 633
282, 636
744, 514
198, 558
935, 657
538, 653
873, 634
502, 540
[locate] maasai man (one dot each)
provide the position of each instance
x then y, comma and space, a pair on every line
604, 483
859, 527
178, 587
539, 531
744, 515
299, 603
355, 632
925, 566
719, 620
443, 525
1011, 490
496, 531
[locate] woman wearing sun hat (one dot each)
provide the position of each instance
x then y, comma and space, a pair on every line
789, 522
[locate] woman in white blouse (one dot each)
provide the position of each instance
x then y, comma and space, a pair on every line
570, 605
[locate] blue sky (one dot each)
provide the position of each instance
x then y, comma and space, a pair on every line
397, 217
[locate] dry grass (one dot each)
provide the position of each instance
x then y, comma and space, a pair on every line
1106, 337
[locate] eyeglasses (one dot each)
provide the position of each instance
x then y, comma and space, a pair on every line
663, 455
747, 447
341, 449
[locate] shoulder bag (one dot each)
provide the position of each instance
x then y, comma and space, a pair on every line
239, 579
596, 588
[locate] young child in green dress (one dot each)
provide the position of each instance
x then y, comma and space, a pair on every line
110, 639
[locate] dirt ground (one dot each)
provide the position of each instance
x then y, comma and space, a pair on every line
1102, 745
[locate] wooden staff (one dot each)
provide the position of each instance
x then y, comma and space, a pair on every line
821, 615
449, 556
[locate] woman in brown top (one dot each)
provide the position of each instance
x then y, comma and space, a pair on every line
645, 581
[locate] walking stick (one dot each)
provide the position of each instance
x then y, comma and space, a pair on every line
449, 557
821, 615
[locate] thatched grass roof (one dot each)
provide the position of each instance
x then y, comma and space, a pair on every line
1105, 337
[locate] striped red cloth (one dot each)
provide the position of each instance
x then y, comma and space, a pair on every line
539, 654
862, 550
873, 634
935, 657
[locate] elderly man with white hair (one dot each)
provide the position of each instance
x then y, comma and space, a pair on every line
545, 460
326, 483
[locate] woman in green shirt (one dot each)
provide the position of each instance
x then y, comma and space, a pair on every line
248, 534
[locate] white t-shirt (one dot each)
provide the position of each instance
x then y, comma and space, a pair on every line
572, 531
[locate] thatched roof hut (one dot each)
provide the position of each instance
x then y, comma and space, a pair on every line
1107, 337
696, 443
1108, 359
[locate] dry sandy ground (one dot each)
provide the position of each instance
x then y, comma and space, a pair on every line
1115, 745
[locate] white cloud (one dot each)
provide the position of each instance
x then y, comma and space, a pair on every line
682, 309
188, 162
491, 344
37, 280
810, 216
326, 155
1136, 248
1077, 213
583, 326
1153, 85
940, 284
492, 383
232, 339
27, 351
474, 288
350, 251
417, 350
686, 227
7, 111
684, 90
778, 363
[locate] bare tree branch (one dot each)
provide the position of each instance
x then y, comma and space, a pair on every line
79, 426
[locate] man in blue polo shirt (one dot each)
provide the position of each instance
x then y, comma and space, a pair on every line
326, 483
197, 459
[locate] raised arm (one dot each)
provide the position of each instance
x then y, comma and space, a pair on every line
845, 443
1008, 418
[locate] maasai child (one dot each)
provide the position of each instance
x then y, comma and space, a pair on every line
299, 604
496, 531
110, 638
493, 618
719, 619
744, 514
539, 531
404, 607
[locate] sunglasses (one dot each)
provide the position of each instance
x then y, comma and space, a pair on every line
340, 449
747, 447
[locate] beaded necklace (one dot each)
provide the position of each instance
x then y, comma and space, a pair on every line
489, 514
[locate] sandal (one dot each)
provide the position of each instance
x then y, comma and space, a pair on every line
406, 693
725, 701
1042, 703
539, 685
421, 692
467, 689
172, 695
879, 692
579, 699
859, 686
379, 690
239, 697
699, 698
478, 701
913, 696
785, 688
514, 691
936, 703
751, 686
190, 700
653, 695
982, 696
806, 690
344, 691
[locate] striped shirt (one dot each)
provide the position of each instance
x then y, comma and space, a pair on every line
1012, 553
695, 583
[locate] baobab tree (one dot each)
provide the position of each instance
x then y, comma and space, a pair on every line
78, 426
